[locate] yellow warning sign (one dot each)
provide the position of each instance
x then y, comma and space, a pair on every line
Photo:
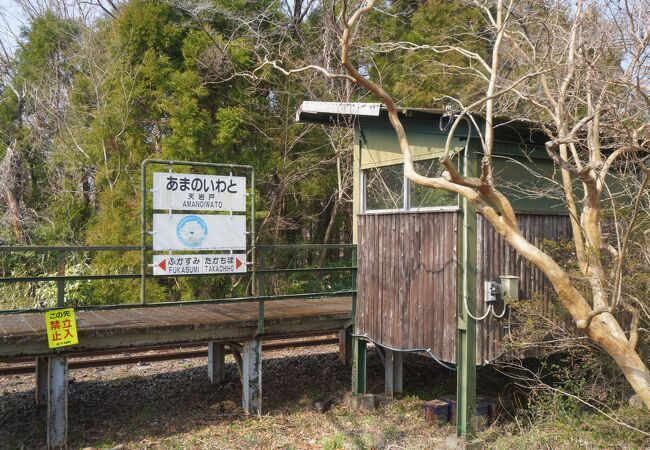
61, 328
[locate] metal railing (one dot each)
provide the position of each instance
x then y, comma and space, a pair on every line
259, 277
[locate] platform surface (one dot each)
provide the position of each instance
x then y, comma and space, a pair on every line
24, 334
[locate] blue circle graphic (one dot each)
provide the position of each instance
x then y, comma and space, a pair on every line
191, 231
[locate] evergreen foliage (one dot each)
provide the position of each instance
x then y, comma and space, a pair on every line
87, 102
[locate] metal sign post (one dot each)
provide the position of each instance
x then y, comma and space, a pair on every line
466, 325
203, 212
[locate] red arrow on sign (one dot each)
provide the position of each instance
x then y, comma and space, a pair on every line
238, 263
163, 265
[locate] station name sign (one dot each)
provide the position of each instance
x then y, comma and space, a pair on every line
200, 217
199, 264
192, 192
342, 108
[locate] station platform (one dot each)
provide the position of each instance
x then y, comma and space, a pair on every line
124, 328
218, 325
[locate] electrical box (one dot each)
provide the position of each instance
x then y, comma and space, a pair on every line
510, 287
492, 291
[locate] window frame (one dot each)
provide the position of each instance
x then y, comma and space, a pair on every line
406, 198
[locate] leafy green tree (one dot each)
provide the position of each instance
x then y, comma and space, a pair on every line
161, 80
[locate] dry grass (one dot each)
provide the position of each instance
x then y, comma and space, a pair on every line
171, 405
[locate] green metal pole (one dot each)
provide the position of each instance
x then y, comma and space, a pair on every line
143, 231
466, 337
253, 233
353, 286
359, 346
359, 350
60, 284
261, 288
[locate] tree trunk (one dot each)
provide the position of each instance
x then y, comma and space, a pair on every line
14, 212
328, 231
636, 372
11, 185
603, 329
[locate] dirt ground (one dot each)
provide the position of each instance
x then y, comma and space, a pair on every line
172, 405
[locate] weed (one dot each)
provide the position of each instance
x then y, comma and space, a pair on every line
333, 442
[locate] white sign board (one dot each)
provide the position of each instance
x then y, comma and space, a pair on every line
356, 109
191, 192
199, 232
198, 264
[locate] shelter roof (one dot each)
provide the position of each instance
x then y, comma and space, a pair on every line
353, 114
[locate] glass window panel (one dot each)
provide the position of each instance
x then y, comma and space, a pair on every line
426, 197
384, 187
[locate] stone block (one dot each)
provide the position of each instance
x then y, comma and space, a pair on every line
366, 401
436, 412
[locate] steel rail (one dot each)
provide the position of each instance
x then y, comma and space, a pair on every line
19, 369
147, 348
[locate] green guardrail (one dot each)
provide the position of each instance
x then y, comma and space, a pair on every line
260, 277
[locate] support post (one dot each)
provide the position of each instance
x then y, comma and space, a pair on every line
466, 336
143, 231
393, 373
345, 347
252, 376
398, 373
57, 402
216, 362
261, 291
42, 364
359, 347
236, 353
353, 285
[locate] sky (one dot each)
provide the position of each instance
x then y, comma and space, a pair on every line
11, 18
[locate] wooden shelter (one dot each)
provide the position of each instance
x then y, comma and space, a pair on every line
417, 269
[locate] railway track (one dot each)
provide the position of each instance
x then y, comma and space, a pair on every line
20, 366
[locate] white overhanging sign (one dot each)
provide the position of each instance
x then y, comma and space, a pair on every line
343, 108
192, 192
199, 264
199, 232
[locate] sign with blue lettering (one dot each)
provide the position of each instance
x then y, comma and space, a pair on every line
199, 232
192, 192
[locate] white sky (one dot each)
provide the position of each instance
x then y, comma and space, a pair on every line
11, 19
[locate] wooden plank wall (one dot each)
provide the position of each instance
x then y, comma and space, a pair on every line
496, 258
407, 280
